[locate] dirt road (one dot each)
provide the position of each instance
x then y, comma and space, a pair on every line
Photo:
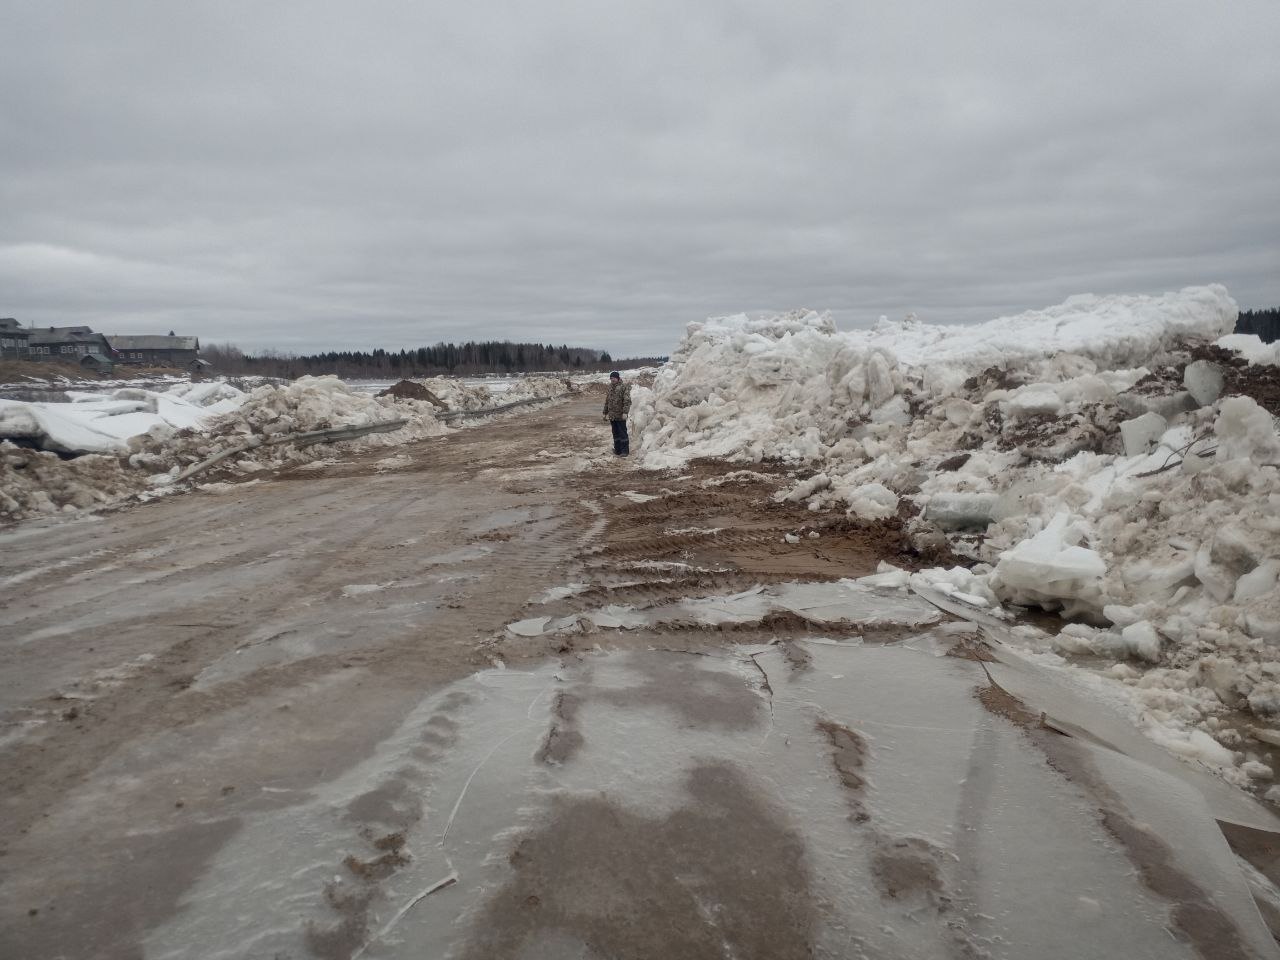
382, 707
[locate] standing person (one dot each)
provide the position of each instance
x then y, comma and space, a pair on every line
617, 404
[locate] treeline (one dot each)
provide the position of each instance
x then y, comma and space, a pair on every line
1264, 323
443, 358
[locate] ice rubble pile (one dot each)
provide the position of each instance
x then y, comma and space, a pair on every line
1080, 454
103, 422
146, 437
34, 482
459, 394
274, 412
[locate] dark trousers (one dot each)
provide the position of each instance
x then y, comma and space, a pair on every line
621, 442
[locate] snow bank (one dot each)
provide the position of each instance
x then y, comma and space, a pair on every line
37, 483
273, 412
102, 422
472, 395
792, 387
1061, 449
146, 438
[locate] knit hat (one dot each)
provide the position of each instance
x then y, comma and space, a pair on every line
615, 375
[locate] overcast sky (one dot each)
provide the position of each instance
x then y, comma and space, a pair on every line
331, 175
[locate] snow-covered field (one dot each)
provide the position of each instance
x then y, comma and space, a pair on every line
1100, 458
106, 444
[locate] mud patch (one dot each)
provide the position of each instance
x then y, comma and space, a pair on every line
596, 877
391, 803
797, 657
152, 871
907, 868
341, 939
563, 739
848, 756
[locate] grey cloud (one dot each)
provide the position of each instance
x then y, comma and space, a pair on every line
308, 176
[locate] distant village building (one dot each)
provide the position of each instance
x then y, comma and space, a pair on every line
66, 343
99, 364
13, 340
156, 351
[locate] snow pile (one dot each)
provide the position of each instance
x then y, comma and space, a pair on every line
471, 395
35, 483
148, 438
103, 422
1251, 347
1094, 459
792, 387
271, 413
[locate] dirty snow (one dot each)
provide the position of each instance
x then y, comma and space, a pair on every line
140, 439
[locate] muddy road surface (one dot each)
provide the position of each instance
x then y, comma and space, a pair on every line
499, 694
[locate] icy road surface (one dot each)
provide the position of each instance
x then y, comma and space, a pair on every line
289, 719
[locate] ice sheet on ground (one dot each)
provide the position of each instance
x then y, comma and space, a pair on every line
1084, 705
789, 811
846, 602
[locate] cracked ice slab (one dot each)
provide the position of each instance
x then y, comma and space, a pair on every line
755, 804
845, 602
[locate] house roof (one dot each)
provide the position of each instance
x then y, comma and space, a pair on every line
96, 358
150, 342
64, 335
10, 325
200, 363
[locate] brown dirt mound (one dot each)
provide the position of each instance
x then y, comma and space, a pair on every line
408, 390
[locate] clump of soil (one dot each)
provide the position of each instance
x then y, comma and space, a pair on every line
907, 867
1055, 438
1159, 383
954, 462
408, 390
992, 378
898, 540
1259, 383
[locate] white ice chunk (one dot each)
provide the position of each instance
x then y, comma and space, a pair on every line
1141, 640
1204, 381
1141, 434
957, 511
1049, 565
1259, 582
1244, 429
872, 501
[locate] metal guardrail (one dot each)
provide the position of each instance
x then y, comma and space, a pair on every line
310, 438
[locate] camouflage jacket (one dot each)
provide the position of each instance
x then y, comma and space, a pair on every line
618, 401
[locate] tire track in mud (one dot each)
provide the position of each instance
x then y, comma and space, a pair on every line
306, 533
279, 557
